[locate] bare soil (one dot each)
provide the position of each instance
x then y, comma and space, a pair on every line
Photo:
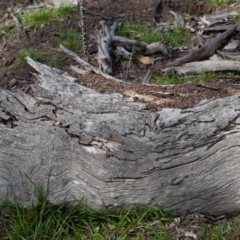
156, 97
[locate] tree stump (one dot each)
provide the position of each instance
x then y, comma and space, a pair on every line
82, 145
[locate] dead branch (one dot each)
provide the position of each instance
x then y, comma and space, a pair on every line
104, 40
78, 70
120, 51
223, 27
141, 47
87, 65
129, 43
204, 66
199, 54
157, 47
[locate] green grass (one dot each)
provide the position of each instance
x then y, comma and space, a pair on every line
175, 80
237, 18
215, 3
46, 16
51, 222
47, 221
141, 32
72, 40
8, 32
39, 56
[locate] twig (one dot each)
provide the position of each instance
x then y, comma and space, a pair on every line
21, 30
147, 77
87, 65
208, 87
129, 63
98, 14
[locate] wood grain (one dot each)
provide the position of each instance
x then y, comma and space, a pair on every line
82, 145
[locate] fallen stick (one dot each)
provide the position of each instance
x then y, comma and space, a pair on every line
142, 47
222, 27
128, 44
87, 65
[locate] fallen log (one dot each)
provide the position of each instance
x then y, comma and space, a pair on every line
82, 145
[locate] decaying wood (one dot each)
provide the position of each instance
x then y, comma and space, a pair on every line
87, 65
204, 66
82, 145
141, 47
199, 54
104, 40
78, 70
120, 51
231, 55
129, 44
157, 47
222, 27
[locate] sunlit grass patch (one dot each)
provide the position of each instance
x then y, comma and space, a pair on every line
48, 221
176, 37
176, 80
45, 16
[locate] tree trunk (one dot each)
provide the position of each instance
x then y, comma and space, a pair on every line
82, 145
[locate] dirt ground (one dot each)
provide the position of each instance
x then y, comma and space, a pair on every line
157, 97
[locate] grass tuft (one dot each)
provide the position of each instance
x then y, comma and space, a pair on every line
175, 80
46, 16
39, 57
48, 221
139, 31
60, 222
72, 40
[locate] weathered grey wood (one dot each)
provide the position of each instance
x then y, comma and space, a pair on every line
101, 148
104, 40
87, 65
204, 66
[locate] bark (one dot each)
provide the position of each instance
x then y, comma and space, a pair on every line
99, 148
104, 40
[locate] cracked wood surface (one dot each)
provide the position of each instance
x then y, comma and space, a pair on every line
103, 148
